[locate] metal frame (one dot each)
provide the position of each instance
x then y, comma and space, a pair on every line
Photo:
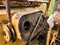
8, 8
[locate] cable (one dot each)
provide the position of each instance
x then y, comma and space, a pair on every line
39, 20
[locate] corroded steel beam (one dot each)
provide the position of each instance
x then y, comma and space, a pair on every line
30, 0
23, 1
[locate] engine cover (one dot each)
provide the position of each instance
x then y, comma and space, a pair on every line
19, 21
27, 24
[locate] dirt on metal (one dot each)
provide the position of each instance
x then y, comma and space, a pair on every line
3, 16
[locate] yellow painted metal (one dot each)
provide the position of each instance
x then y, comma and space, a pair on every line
48, 37
2, 41
55, 35
3, 16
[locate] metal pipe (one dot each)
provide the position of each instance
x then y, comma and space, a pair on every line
7, 3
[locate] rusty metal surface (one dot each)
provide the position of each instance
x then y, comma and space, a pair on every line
27, 0
15, 1
2, 42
